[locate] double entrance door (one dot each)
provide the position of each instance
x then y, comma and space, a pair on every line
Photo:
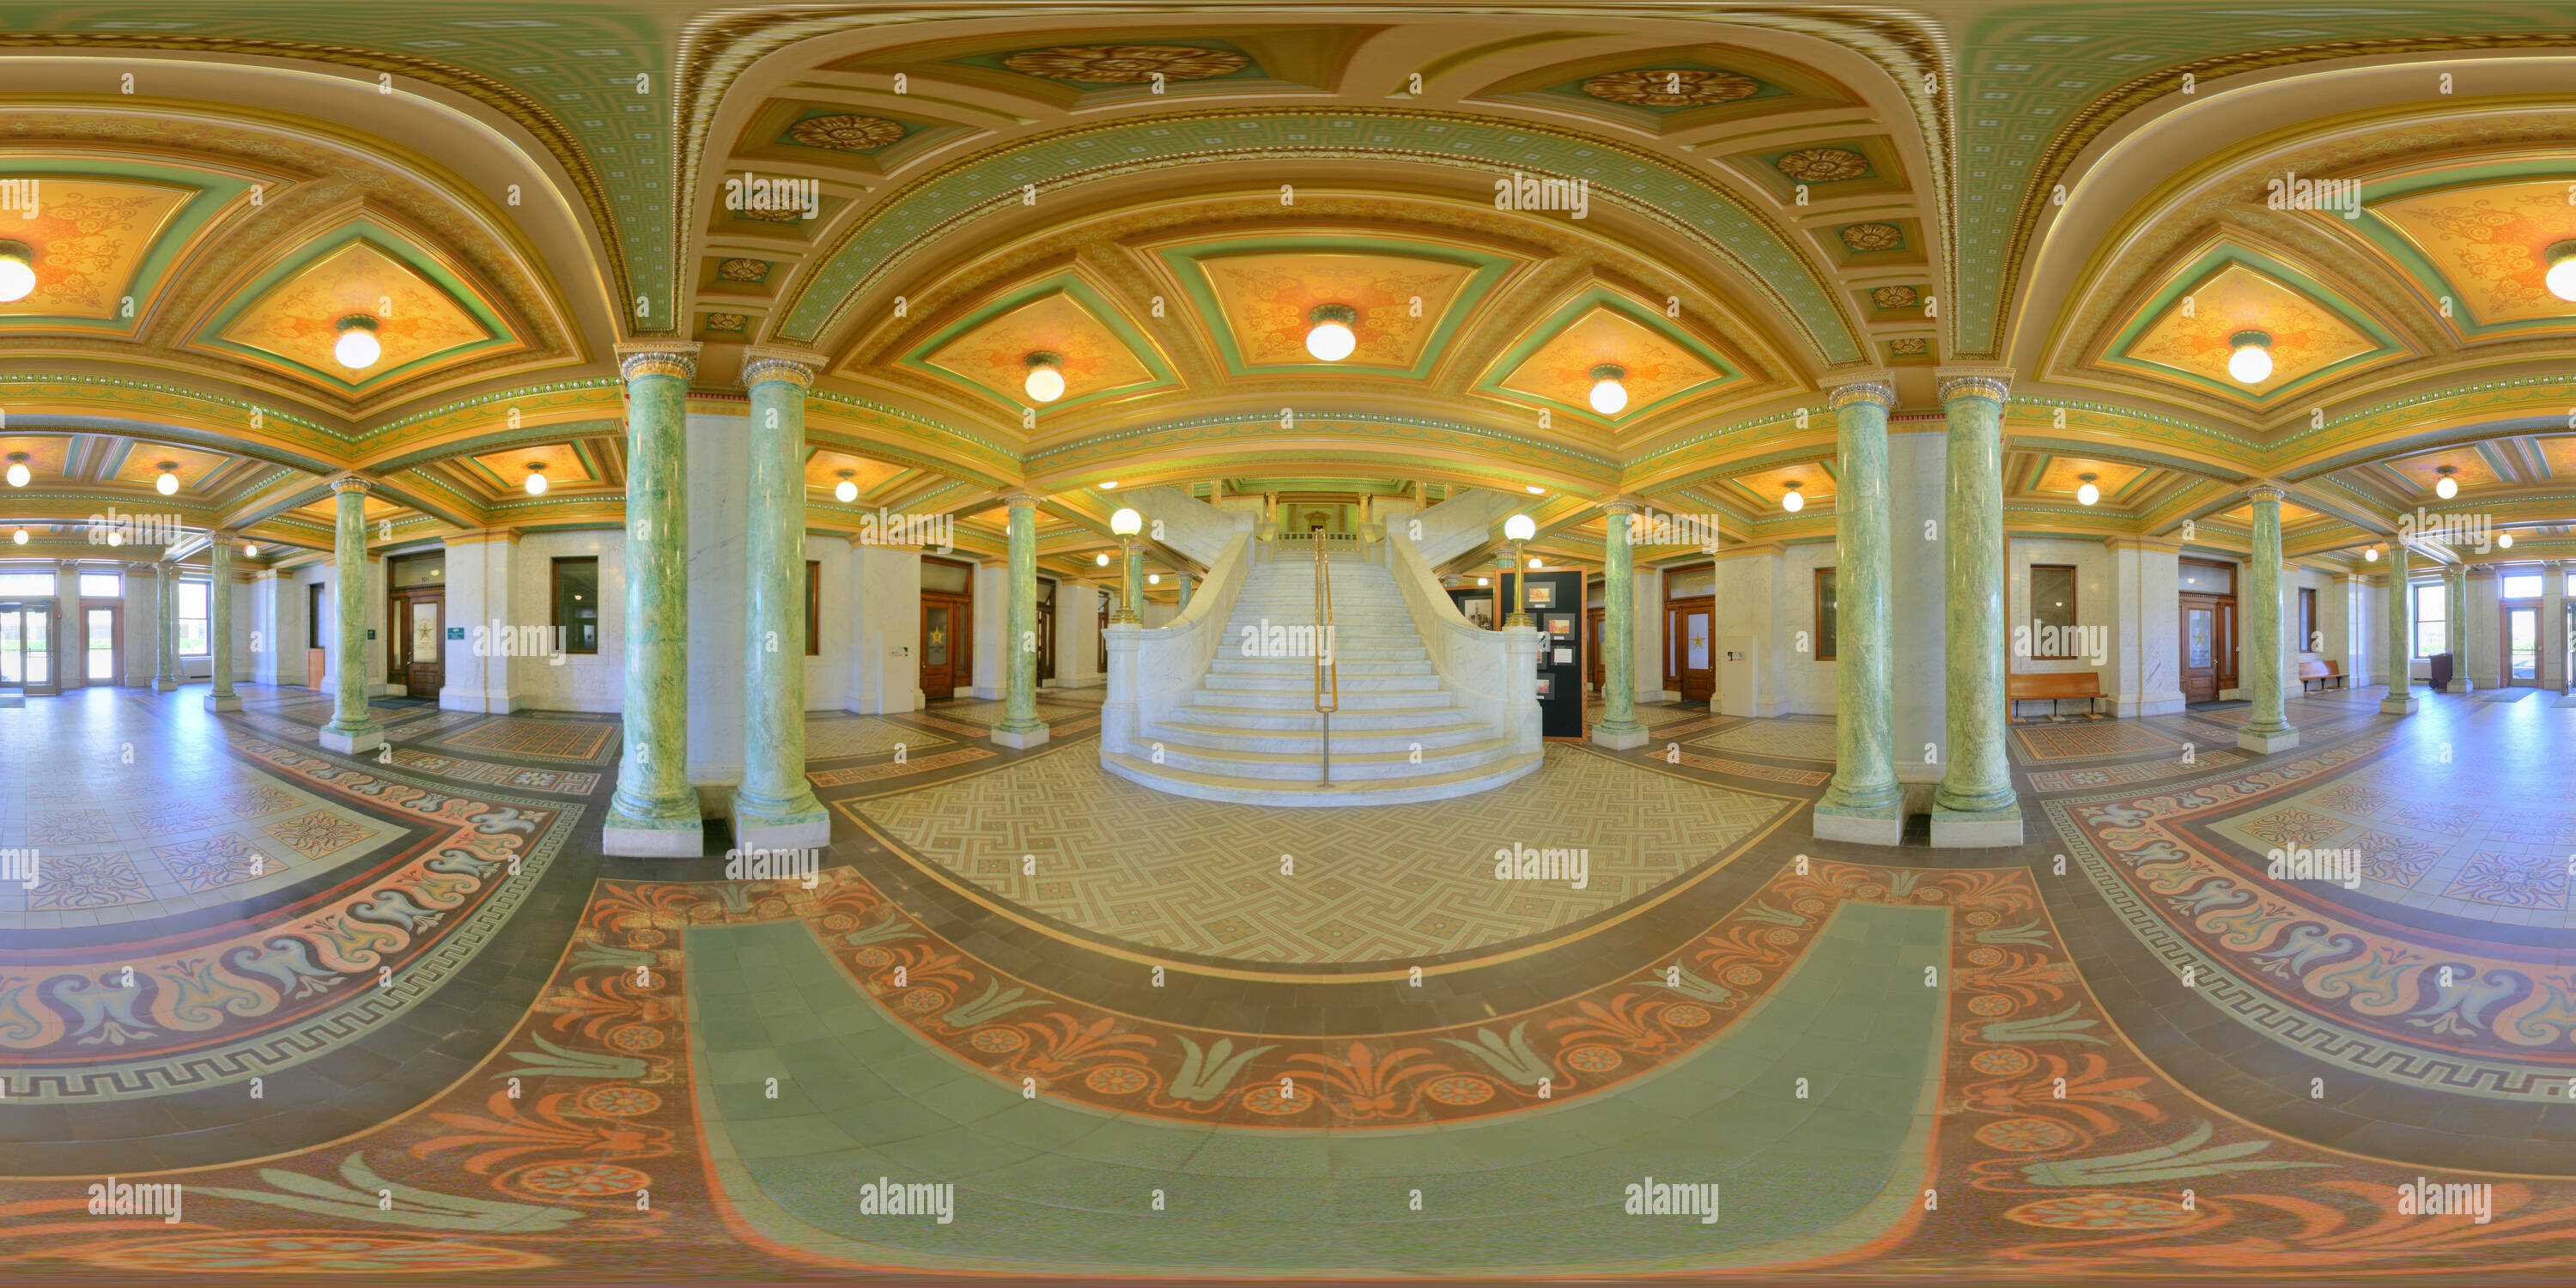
29, 652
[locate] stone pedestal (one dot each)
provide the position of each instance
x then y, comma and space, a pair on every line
1975, 806
1020, 726
353, 726
773, 807
2267, 729
655, 812
1619, 730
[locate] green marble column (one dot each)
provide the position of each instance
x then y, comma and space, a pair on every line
774, 808
71, 634
2455, 584
1618, 728
353, 727
1863, 802
655, 811
1975, 805
1183, 590
2267, 727
2401, 644
1131, 586
219, 625
165, 629
1020, 725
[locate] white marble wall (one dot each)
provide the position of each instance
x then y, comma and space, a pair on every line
2097, 603
2484, 662
883, 609
477, 674
585, 681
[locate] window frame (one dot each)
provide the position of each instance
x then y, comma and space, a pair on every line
180, 619
1825, 634
87, 593
554, 604
2442, 600
813, 598
2308, 641
2074, 608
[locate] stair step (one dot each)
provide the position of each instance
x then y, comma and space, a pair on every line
1306, 721
1264, 791
1353, 700
1306, 766
1286, 743
1304, 682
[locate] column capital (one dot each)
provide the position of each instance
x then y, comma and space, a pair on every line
765, 362
1023, 500
350, 483
1845, 388
1992, 383
2264, 492
1622, 505
657, 358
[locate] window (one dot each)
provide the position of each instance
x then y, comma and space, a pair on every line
192, 618
313, 615
813, 596
576, 603
2432, 620
1828, 619
2052, 610
2309, 642
35, 585
2522, 585
102, 585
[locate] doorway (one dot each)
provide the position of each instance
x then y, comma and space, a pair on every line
1689, 668
417, 660
1046, 630
102, 649
2521, 644
1592, 649
2208, 602
947, 628
27, 652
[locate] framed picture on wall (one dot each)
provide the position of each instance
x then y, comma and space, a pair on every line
1478, 609
1561, 624
1546, 685
1542, 595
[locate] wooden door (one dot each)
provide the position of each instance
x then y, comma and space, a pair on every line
1046, 638
939, 647
1690, 646
2208, 646
1592, 650
418, 660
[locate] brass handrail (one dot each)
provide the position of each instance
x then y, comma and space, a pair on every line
1326, 670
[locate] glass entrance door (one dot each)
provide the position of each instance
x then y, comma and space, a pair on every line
27, 647
2522, 646
98, 640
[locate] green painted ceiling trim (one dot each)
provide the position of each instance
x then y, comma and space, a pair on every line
388, 242
912, 219
2207, 266
2403, 251
1188, 266
1159, 374
207, 194
1211, 429
1546, 330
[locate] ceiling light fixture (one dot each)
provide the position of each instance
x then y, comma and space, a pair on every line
536, 478
1484, 581
1609, 397
2085, 492
1535, 489
357, 348
2561, 278
1793, 500
1520, 527
1110, 486
1536, 562
845, 491
20, 536
168, 483
2251, 361
250, 550
1331, 338
1153, 579
18, 474
1046, 376
2504, 541
17, 271
2371, 554
1126, 522
1102, 559
2446, 487
115, 538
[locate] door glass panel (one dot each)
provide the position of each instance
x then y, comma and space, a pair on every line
13, 645
424, 632
2523, 633
102, 644
40, 646
934, 641
2204, 645
1695, 629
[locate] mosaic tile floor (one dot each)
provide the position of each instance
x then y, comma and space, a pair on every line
2153, 1062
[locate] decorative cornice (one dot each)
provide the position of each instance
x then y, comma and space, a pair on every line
1991, 383
351, 483
677, 358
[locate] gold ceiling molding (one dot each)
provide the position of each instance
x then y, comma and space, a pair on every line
522, 110
2093, 118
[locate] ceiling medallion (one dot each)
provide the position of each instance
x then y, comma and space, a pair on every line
727, 321
1823, 165
1126, 64
846, 132
1895, 297
790, 215
1909, 346
1869, 237
743, 270
1671, 87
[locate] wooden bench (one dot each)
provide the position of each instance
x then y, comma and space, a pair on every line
2328, 675
2053, 687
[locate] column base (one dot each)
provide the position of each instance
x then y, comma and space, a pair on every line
349, 742
639, 838
1635, 735
1991, 829
1020, 738
756, 829
1883, 825
164, 686
2460, 684
2267, 743
223, 702
2398, 706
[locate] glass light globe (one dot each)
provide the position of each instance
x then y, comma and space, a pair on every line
1535, 489
1536, 562
20, 536
1110, 486
167, 484
18, 474
1046, 384
2447, 488
2372, 554
250, 550
1153, 579
1102, 559
115, 538
2251, 364
2504, 541
536, 482
1520, 527
17, 278
1793, 501
1331, 341
1609, 397
1484, 581
845, 491
1126, 522
2561, 280
2087, 494
357, 349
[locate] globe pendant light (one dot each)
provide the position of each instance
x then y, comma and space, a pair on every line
1793, 500
846, 490
1609, 396
1330, 339
2561, 278
2371, 554
18, 474
17, 271
2446, 487
2504, 541
168, 483
1046, 376
536, 478
2251, 361
20, 536
2085, 492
